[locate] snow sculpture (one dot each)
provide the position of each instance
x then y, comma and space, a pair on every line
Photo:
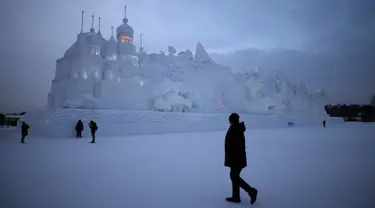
107, 74
171, 50
201, 56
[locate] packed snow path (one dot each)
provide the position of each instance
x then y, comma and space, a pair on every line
291, 167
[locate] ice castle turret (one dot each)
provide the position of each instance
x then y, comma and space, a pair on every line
125, 35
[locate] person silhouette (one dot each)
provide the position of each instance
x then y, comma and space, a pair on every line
93, 128
235, 159
79, 129
25, 131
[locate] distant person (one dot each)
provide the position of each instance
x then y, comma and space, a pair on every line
79, 129
93, 128
25, 131
324, 123
235, 158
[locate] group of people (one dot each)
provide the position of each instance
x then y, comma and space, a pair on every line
79, 128
93, 128
235, 154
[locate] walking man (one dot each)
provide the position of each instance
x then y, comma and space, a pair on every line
235, 159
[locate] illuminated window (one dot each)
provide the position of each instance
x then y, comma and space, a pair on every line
126, 39
286, 102
260, 94
97, 74
85, 75
95, 51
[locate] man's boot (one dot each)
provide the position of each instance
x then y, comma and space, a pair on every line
253, 193
233, 200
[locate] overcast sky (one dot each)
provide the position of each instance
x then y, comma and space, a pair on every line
37, 32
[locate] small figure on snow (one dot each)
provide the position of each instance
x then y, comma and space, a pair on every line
93, 128
25, 131
324, 123
235, 158
79, 129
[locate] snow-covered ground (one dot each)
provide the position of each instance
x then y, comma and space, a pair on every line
297, 167
60, 123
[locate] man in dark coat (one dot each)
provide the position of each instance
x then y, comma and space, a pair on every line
25, 131
324, 123
79, 129
235, 158
93, 128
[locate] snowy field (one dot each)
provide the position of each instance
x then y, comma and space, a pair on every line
297, 167
60, 123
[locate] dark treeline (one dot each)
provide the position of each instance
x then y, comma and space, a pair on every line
364, 113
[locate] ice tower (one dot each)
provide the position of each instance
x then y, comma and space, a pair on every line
125, 35
90, 65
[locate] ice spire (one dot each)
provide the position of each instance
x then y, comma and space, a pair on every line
111, 31
99, 33
92, 24
141, 48
82, 21
125, 20
99, 24
125, 12
201, 55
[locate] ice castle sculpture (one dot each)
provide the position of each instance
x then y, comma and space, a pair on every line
96, 73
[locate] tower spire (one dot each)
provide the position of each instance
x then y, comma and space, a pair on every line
92, 24
111, 31
125, 12
99, 24
82, 21
141, 39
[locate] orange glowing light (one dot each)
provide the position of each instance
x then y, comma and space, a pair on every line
122, 40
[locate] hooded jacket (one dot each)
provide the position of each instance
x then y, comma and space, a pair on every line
235, 148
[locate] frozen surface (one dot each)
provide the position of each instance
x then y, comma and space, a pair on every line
61, 123
307, 167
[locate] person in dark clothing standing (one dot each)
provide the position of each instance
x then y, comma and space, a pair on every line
93, 128
25, 131
324, 123
79, 129
235, 158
